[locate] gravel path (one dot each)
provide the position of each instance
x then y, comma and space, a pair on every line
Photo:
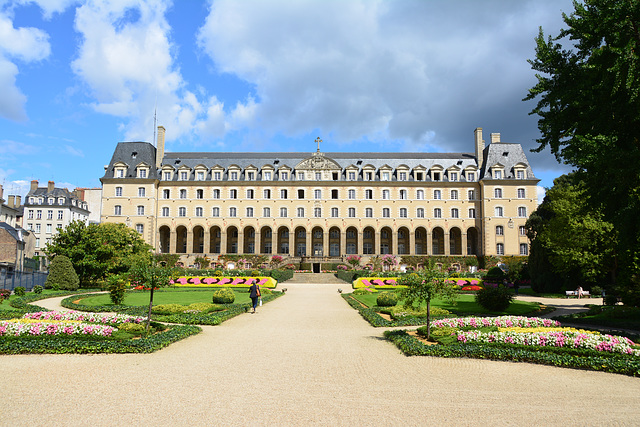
304, 359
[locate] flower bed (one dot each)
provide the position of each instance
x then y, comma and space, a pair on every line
112, 319
224, 282
19, 327
467, 283
556, 338
376, 283
501, 321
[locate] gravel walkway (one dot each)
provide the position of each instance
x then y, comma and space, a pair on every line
304, 359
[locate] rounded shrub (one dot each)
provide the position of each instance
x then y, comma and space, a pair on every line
494, 298
19, 291
223, 296
387, 299
495, 274
37, 289
62, 275
255, 272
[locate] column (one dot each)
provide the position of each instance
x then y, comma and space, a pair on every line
360, 249
207, 241
343, 243
447, 247
325, 243
308, 244
464, 244
257, 242
412, 242
190, 241
223, 242
240, 241
376, 243
173, 238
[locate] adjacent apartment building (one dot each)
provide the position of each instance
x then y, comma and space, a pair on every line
323, 205
49, 209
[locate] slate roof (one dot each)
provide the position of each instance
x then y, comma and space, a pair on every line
132, 154
12, 231
508, 155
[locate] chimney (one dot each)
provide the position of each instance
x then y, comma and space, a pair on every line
479, 146
160, 146
34, 185
0, 191
12, 201
18, 201
50, 186
495, 137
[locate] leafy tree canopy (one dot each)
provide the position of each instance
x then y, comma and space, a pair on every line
96, 250
588, 100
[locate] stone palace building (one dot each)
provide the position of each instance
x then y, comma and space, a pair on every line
321, 207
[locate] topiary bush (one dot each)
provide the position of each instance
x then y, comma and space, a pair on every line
19, 291
494, 298
62, 275
495, 274
387, 299
223, 296
117, 288
37, 289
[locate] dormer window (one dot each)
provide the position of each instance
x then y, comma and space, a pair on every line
385, 176
267, 175
119, 173
436, 176
142, 173
61, 200
284, 176
50, 200
497, 174
184, 175
453, 176
402, 176
251, 176
233, 176
200, 176
471, 176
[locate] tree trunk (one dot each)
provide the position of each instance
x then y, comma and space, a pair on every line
150, 306
428, 319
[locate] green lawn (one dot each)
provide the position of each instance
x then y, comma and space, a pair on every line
171, 297
465, 305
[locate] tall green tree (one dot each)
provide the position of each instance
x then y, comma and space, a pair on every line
578, 243
588, 100
96, 250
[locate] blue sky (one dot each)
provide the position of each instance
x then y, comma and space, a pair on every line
77, 77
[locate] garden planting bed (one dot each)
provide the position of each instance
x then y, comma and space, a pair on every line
523, 339
225, 282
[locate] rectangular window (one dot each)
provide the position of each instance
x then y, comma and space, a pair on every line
318, 176
368, 212
352, 194
232, 212
217, 176
420, 194
183, 193
352, 212
38, 214
385, 176
283, 193
266, 194
499, 230
117, 210
402, 176
233, 176
523, 230
436, 176
420, 213
520, 174
141, 192
368, 194
165, 211
499, 212
471, 194
300, 176
140, 210
60, 214
140, 228
437, 194
184, 175
369, 176
49, 214
233, 194
284, 176
403, 212
453, 176
334, 194
524, 249
30, 214
471, 176
317, 194
166, 194
283, 212
266, 212
497, 174
300, 194
215, 212
120, 173
522, 212
167, 176
216, 193
497, 193
38, 228
317, 212
199, 211
437, 213
521, 193
118, 191
250, 176
352, 176
403, 194
250, 193
199, 193
200, 176
334, 212
249, 212
386, 194
454, 213
386, 212
472, 213
37, 242
500, 249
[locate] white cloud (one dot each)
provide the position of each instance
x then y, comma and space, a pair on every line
24, 44
541, 193
73, 151
8, 147
378, 70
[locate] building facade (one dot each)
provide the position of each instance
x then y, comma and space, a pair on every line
323, 205
48, 210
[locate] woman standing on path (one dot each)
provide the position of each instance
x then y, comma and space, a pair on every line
254, 294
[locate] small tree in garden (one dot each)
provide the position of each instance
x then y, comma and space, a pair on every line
152, 275
62, 275
354, 260
422, 287
276, 260
389, 261
117, 285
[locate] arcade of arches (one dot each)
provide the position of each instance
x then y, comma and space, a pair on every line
317, 241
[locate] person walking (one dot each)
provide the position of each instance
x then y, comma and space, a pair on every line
254, 294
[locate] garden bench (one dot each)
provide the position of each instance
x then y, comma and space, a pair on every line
575, 294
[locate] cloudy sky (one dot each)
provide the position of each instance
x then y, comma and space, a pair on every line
76, 77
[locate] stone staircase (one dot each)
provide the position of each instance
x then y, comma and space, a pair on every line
319, 278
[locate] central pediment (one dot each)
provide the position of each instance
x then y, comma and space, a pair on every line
318, 161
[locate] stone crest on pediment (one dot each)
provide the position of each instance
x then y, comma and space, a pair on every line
318, 162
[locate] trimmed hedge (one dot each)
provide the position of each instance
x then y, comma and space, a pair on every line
372, 316
568, 358
62, 344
